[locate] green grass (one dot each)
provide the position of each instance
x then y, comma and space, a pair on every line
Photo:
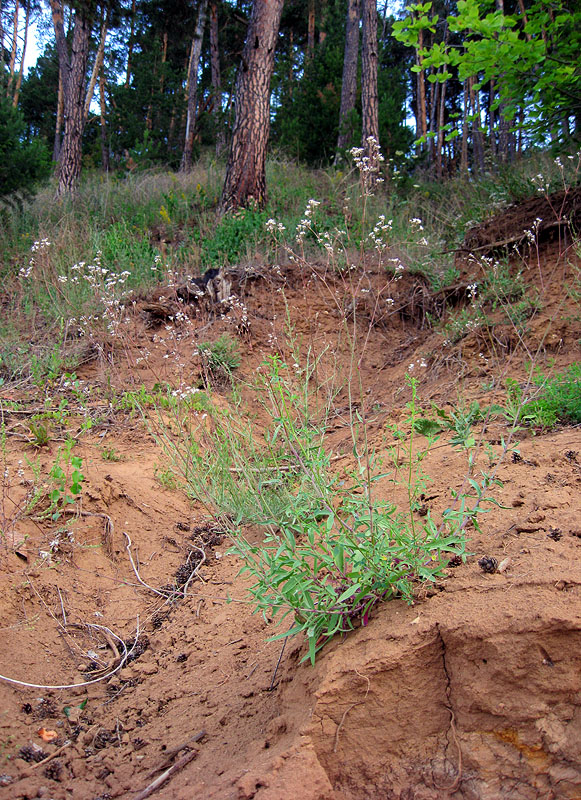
557, 399
145, 225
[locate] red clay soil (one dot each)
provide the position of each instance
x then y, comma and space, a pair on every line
473, 692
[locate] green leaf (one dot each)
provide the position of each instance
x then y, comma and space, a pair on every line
349, 593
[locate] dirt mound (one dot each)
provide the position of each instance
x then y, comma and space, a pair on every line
472, 692
544, 218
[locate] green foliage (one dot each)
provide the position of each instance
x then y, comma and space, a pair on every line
67, 481
23, 162
110, 454
162, 396
126, 248
333, 548
314, 93
556, 400
166, 478
40, 433
317, 96
235, 235
221, 356
533, 59
39, 95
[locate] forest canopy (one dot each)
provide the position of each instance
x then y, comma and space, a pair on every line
127, 84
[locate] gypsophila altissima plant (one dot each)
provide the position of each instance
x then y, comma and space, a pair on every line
333, 547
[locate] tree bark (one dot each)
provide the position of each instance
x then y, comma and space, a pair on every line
13, 50
349, 85
23, 56
311, 30
59, 123
441, 122
245, 182
72, 70
464, 150
423, 120
216, 78
98, 64
130, 45
323, 14
433, 116
369, 61
477, 143
102, 107
192, 86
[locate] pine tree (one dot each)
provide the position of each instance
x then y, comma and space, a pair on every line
245, 181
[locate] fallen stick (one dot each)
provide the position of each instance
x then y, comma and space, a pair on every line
171, 754
38, 764
159, 781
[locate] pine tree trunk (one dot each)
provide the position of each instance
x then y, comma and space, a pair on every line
13, 50
22, 58
311, 30
369, 61
349, 85
323, 14
477, 143
422, 93
441, 122
72, 69
130, 45
245, 181
434, 95
56, 151
102, 115
192, 89
97, 65
464, 151
216, 78
491, 121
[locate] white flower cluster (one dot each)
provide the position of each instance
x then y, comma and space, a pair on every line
305, 224
398, 267
37, 247
368, 161
421, 363
540, 182
236, 313
42, 244
532, 233
380, 233
184, 392
416, 224
272, 226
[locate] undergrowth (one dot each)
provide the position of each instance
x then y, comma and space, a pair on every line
153, 227
335, 541
556, 398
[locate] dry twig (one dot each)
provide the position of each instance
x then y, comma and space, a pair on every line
171, 771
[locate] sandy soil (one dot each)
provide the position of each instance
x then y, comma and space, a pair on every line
474, 691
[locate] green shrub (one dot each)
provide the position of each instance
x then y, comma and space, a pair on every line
557, 401
332, 549
221, 357
234, 236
